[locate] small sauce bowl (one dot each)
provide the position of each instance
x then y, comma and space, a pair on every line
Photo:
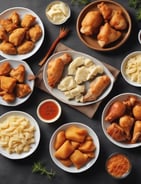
118, 165
58, 12
49, 111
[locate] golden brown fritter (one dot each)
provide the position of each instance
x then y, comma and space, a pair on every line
8, 48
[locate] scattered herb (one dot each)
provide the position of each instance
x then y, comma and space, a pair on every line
136, 4
83, 2
39, 168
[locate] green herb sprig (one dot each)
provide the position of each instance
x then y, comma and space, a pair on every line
79, 2
41, 169
136, 4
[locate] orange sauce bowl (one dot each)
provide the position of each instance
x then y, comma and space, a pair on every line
118, 165
49, 111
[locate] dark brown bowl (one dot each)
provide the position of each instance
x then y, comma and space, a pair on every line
91, 41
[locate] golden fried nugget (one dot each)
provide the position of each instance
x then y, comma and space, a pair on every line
15, 18
28, 20
18, 73
9, 97
5, 68
8, 25
60, 139
35, 33
25, 47
17, 36
87, 146
8, 48
3, 35
7, 83
22, 90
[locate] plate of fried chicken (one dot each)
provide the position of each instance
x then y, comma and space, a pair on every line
121, 120
77, 78
21, 33
16, 86
103, 25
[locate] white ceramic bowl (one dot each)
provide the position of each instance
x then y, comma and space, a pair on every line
49, 111
73, 169
139, 36
58, 12
36, 135
106, 124
131, 67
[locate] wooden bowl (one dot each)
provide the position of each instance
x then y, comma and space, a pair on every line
91, 41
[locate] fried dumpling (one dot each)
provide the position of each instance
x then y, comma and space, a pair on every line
97, 86
18, 73
105, 10
87, 146
91, 23
17, 36
7, 83
107, 35
8, 25
3, 35
67, 83
25, 47
9, 97
35, 33
15, 18
60, 139
5, 68
22, 90
28, 20
118, 21
8, 48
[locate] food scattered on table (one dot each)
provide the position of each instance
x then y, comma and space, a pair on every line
132, 68
16, 134
12, 82
125, 120
19, 35
105, 23
74, 147
118, 165
79, 79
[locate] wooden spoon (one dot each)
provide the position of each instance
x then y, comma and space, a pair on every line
63, 32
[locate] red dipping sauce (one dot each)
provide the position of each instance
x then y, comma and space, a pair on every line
49, 110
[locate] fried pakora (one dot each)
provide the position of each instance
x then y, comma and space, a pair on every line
17, 36
35, 33
5, 68
28, 20
15, 18
18, 73
8, 25
8, 48
7, 83
22, 90
25, 47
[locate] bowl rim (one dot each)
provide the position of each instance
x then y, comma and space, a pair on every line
64, 20
124, 61
55, 118
115, 46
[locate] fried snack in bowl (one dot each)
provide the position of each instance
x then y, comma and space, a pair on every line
21, 33
74, 147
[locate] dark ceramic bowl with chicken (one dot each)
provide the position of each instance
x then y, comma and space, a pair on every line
121, 120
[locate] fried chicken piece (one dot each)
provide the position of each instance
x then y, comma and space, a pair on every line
8, 48
137, 111
25, 47
3, 35
15, 18
118, 21
97, 86
7, 83
5, 68
105, 10
116, 132
91, 23
28, 20
136, 132
9, 97
55, 69
35, 33
17, 36
18, 73
22, 90
8, 25
107, 35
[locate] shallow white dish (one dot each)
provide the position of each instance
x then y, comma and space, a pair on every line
14, 64
123, 66
37, 135
73, 169
105, 124
59, 95
22, 11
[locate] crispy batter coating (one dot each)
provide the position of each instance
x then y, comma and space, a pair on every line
7, 83
22, 90
8, 25
28, 20
5, 68
18, 73
15, 18
3, 35
35, 33
25, 47
9, 97
8, 48
17, 36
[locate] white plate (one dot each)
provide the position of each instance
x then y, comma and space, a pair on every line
37, 135
58, 94
106, 124
22, 11
14, 64
73, 169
